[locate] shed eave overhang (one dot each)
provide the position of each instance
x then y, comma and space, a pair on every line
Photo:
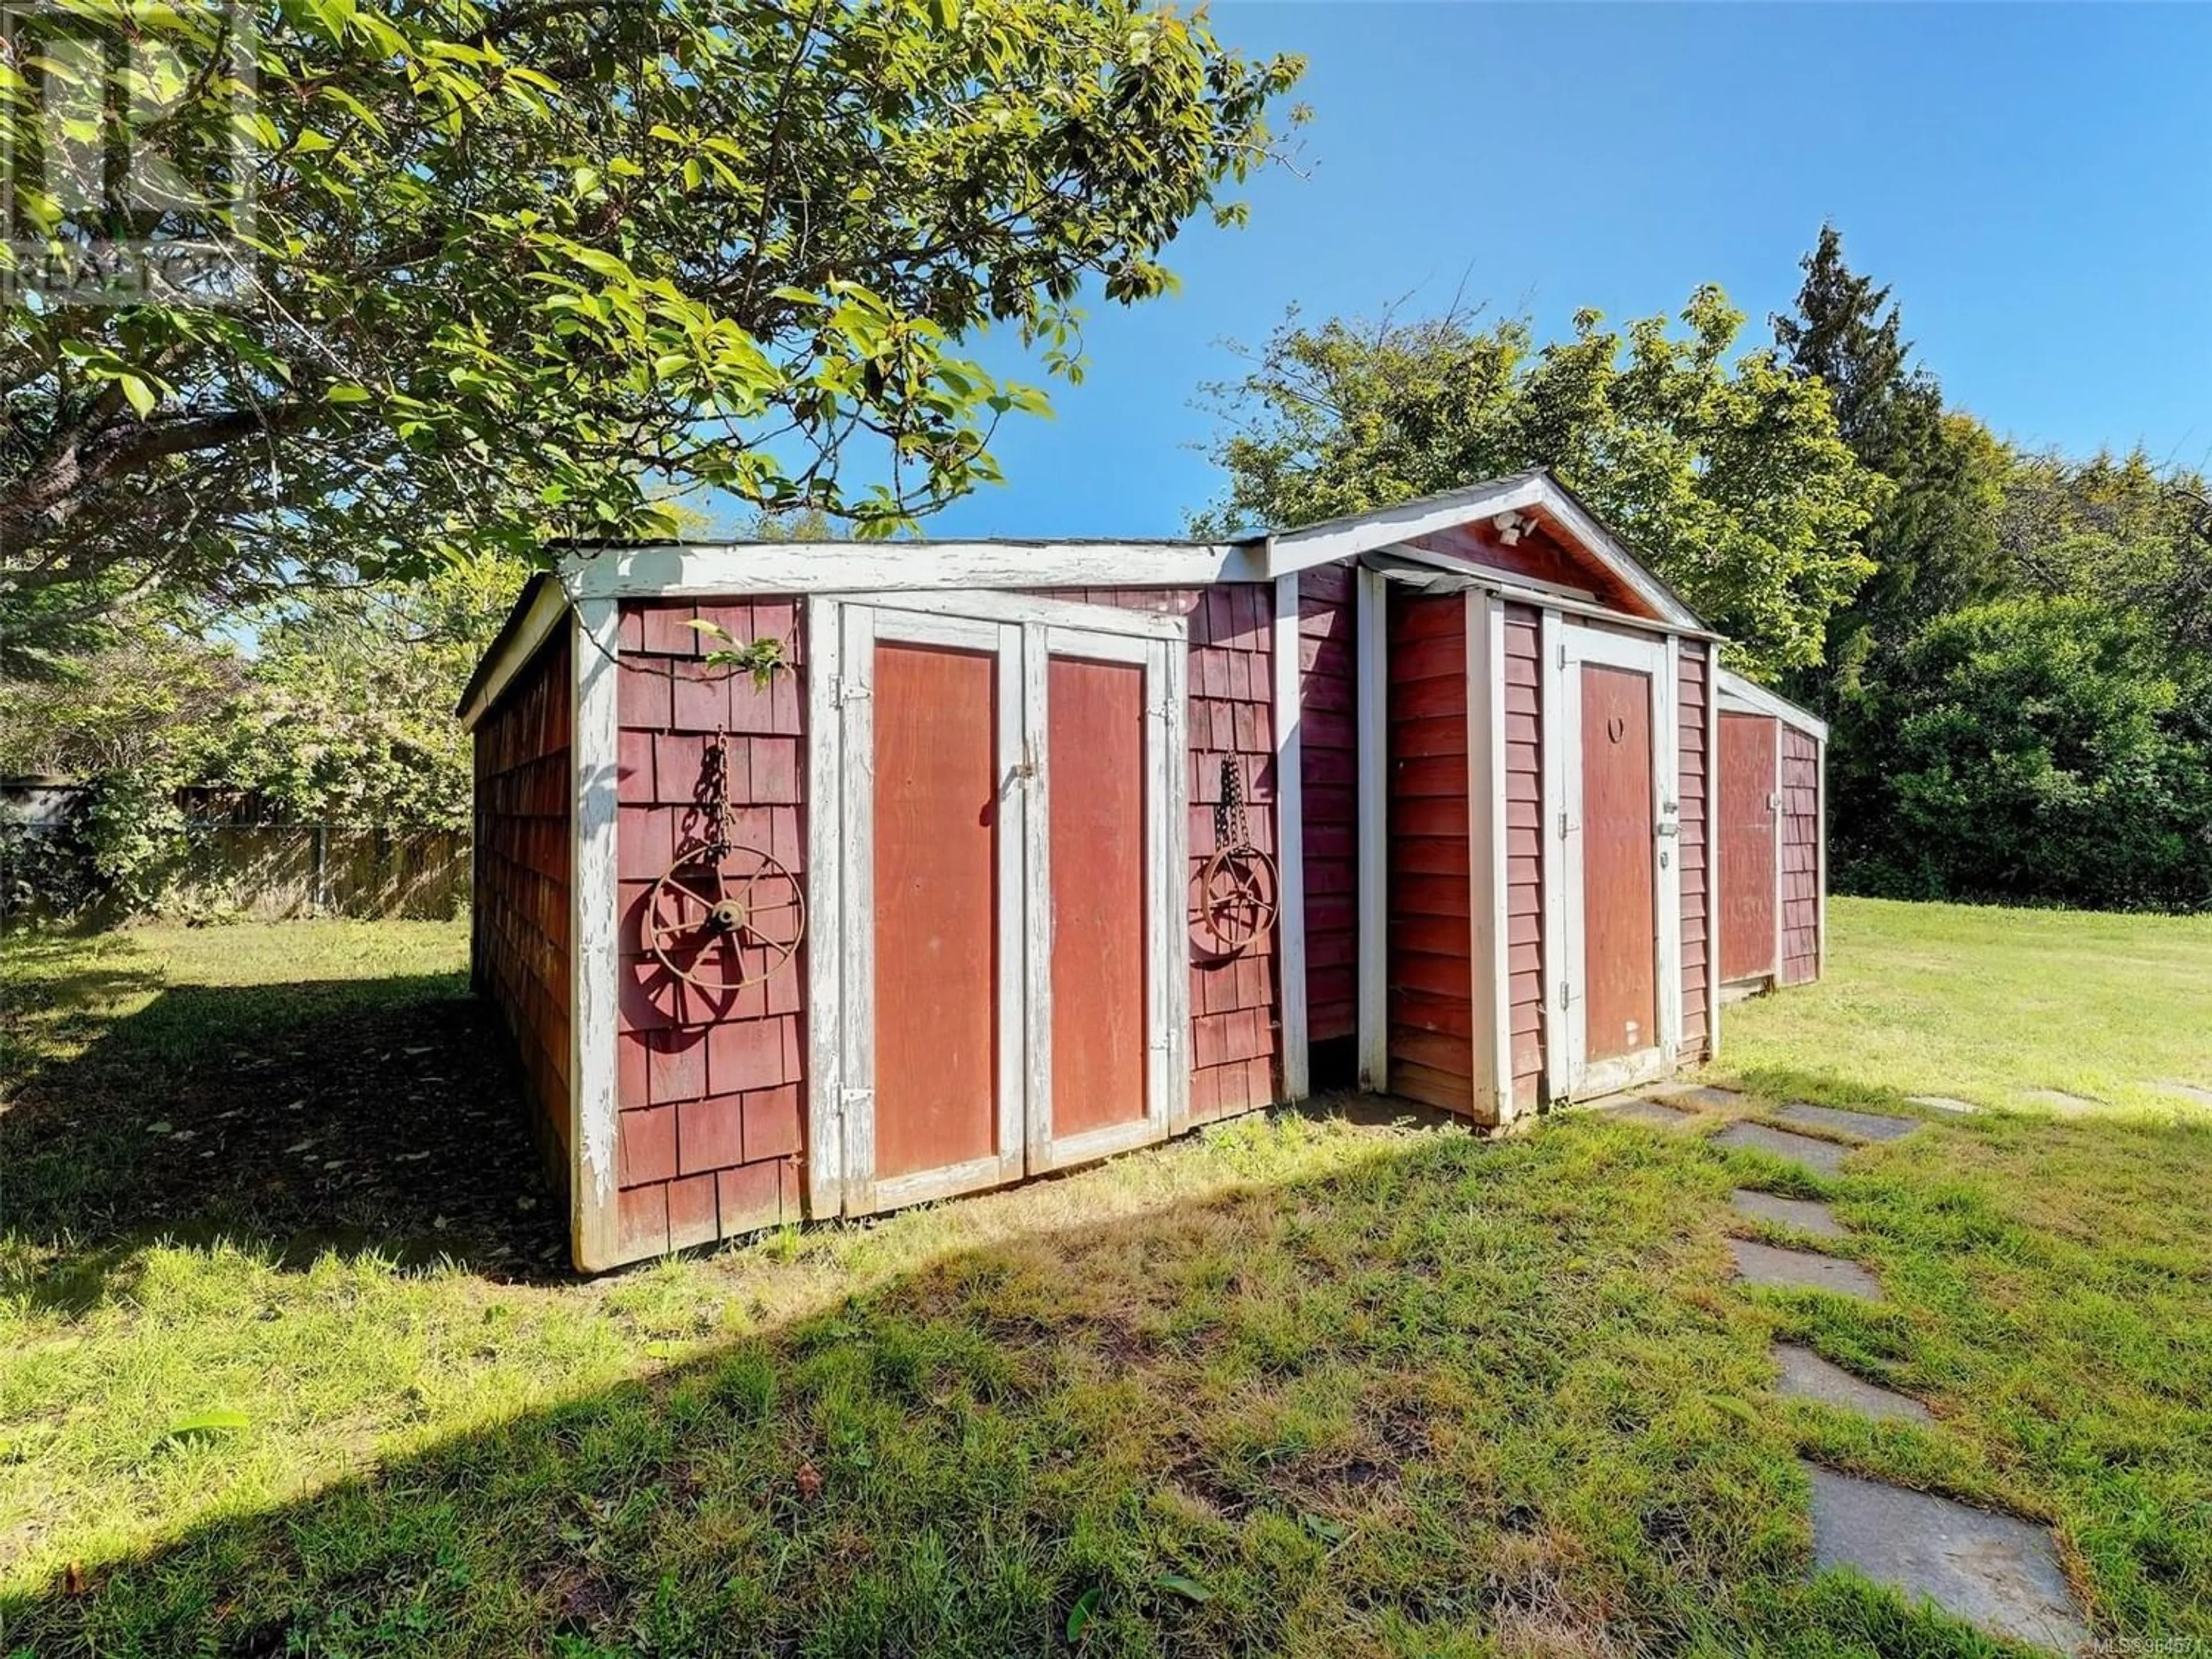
696, 570
538, 609
1748, 696
1538, 491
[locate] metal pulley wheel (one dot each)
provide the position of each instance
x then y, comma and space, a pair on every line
1237, 888
722, 918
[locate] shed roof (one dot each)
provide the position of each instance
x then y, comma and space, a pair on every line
729, 569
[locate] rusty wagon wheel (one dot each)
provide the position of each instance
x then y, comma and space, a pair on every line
1237, 901
723, 918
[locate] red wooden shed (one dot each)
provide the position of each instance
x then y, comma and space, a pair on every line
1774, 852
1027, 853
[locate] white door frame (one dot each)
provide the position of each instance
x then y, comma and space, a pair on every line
1567, 646
862, 626
1021, 635
1166, 828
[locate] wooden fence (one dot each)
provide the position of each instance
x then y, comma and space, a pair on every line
278, 872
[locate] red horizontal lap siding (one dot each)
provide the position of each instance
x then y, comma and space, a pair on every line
1328, 748
1801, 857
1430, 1024
1236, 1012
712, 1090
1524, 851
525, 823
1690, 845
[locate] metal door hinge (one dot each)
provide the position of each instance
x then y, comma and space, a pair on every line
842, 691
1565, 996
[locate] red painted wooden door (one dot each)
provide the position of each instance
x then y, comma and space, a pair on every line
936, 834
1748, 882
1619, 907
1095, 725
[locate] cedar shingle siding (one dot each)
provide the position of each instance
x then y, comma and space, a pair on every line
525, 829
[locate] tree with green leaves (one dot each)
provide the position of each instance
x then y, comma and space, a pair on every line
1723, 469
2040, 749
1934, 547
513, 269
340, 713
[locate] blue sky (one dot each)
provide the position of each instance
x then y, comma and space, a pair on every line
2035, 181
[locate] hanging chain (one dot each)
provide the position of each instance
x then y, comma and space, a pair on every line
1230, 833
715, 791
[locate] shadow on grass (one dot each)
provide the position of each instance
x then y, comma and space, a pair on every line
1451, 1396
347, 1114
1321, 1414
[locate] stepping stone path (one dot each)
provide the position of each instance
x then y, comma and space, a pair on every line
1866, 1126
1806, 1376
1995, 1571
1705, 1096
1802, 1213
1944, 1103
1825, 1156
2194, 1091
1771, 1266
2063, 1101
1656, 1113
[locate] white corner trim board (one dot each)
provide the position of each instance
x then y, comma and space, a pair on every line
1290, 840
1488, 891
736, 570
1373, 705
1820, 856
825, 1117
595, 963
1551, 680
1712, 851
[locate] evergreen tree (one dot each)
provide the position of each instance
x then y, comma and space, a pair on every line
1936, 547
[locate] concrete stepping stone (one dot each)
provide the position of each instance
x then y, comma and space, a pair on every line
1802, 1213
1866, 1126
1806, 1376
1774, 1268
1994, 1571
1656, 1113
1704, 1094
2063, 1101
2194, 1091
1825, 1156
1944, 1103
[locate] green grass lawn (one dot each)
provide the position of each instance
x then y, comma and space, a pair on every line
1307, 1383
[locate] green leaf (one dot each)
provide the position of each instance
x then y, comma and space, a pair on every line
346, 394
947, 13
1328, 1531
1189, 1588
142, 396
206, 1424
1079, 1616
